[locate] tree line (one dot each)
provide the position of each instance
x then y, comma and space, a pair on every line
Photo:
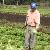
14, 2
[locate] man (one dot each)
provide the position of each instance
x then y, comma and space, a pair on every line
32, 22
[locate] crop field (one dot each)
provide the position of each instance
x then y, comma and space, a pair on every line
23, 9
12, 37
12, 34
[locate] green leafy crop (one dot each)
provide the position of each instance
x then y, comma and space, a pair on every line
12, 37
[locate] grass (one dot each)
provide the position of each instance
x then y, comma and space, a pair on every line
23, 9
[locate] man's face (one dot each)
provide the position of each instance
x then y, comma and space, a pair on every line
33, 9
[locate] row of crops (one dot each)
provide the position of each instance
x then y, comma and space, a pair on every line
12, 37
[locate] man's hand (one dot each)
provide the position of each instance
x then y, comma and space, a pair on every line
25, 23
39, 28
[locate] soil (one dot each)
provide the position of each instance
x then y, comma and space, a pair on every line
12, 17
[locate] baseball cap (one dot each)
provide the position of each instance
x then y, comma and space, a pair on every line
33, 5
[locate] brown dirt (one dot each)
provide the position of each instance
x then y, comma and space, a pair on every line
21, 18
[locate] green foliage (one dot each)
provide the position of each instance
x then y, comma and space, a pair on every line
23, 9
12, 37
13, 9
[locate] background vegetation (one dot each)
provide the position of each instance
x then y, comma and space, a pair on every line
23, 9
14, 2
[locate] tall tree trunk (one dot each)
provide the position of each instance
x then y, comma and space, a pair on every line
3, 2
17, 3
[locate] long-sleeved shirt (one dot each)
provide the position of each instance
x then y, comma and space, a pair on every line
33, 18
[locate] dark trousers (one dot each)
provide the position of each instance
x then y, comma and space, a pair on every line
30, 38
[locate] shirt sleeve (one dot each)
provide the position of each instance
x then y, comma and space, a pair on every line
27, 14
26, 17
37, 19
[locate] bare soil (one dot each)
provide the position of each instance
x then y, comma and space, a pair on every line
12, 17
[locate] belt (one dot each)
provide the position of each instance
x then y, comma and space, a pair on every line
31, 26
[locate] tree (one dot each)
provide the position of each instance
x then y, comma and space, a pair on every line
3, 2
21, 1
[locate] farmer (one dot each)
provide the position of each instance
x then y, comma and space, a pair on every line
32, 22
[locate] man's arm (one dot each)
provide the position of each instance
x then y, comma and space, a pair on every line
25, 23
37, 20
